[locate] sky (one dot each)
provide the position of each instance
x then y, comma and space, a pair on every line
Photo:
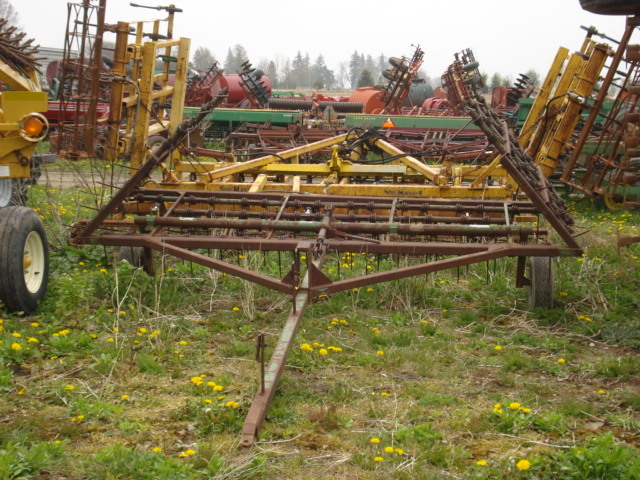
507, 36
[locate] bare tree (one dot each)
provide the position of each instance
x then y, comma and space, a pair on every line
9, 13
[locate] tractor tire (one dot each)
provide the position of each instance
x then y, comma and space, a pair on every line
541, 288
24, 259
611, 7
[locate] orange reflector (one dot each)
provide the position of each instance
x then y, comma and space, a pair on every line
33, 126
388, 123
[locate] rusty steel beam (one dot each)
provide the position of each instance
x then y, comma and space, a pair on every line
333, 245
357, 201
261, 402
586, 129
346, 227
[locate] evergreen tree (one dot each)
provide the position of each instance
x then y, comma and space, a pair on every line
240, 56
534, 77
235, 58
365, 79
297, 67
272, 73
322, 77
203, 59
383, 64
496, 81
356, 65
229, 62
371, 65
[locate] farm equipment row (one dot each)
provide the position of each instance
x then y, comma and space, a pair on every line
439, 191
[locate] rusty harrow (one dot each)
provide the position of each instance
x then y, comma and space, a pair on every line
15, 51
313, 223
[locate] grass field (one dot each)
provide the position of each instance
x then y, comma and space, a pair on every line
123, 376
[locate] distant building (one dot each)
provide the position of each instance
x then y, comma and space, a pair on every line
46, 56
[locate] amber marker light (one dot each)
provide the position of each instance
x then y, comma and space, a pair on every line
34, 126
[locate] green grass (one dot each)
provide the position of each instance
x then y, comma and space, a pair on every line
120, 375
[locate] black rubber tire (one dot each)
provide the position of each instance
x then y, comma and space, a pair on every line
24, 259
541, 288
13, 191
611, 7
138, 257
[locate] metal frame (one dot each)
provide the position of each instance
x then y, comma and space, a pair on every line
454, 232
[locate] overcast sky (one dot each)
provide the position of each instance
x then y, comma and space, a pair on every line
507, 37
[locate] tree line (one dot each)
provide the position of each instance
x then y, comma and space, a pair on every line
362, 70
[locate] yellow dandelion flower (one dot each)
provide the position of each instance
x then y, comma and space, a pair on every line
514, 406
103, 270
380, 352
561, 360
481, 463
323, 351
183, 343
601, 392
124, 397
497, 348
142, 330
197, 381
375, 440
69, 387
306, 347
388, 449
523, 465
32, 340
156, 450
218, 388
378, 459
16, 334
399, 451
16, 346
235, 309
525, 410
35, 324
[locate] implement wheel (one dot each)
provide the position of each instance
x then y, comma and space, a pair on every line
138, 257
541, 288
24, 259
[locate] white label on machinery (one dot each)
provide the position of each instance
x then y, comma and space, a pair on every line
4, 171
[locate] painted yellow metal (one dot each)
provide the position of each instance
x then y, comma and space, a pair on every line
543, 96
139, 107
16, 147
557, 134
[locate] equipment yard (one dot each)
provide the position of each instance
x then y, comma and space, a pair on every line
210, 278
